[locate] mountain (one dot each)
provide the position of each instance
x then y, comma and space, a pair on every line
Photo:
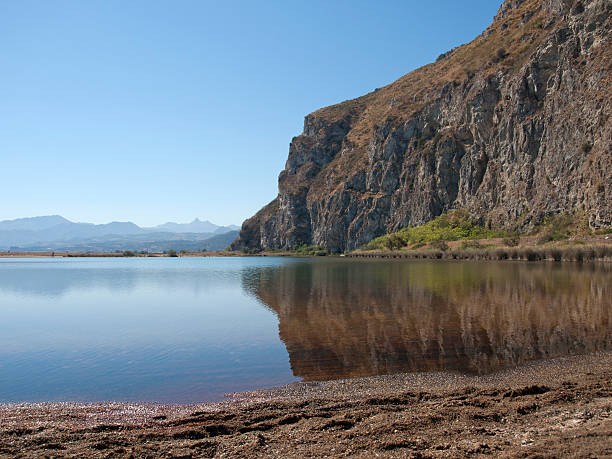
196, 226
149, 242
32, 223
512, 127
58, 233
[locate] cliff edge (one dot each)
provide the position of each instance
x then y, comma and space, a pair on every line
513, 126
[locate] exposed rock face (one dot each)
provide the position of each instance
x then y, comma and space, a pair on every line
513, 126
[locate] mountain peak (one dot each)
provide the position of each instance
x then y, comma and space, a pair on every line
33, 223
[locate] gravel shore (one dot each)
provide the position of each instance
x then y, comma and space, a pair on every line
560, 407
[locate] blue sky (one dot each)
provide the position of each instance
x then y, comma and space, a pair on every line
155, 111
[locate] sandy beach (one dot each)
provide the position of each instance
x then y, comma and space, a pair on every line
554, 408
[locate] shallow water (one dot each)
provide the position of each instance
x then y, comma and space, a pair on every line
188, 330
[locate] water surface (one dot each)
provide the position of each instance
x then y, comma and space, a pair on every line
191, 329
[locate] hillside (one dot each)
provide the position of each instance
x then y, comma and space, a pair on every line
512, 127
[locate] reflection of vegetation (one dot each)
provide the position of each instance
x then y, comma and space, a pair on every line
454, 226
586, 253
343, 318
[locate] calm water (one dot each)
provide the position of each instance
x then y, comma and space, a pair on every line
191, 329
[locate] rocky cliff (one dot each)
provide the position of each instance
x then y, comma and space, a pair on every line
513, 126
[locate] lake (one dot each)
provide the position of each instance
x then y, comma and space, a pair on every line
187, 330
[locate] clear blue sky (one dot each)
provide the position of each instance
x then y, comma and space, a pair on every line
152, 111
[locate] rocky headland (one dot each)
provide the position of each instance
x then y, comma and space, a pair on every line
511, 127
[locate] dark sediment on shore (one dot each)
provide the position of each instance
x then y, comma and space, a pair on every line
561, 407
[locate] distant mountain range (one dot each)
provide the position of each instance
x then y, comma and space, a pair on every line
55, 232
196, 226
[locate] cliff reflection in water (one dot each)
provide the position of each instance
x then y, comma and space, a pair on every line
346, 318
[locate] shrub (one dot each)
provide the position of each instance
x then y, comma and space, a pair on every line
579, 255
558, 227
587, 147
512, 241
556, 254
440, 245
470, 244
250, 251
128, 253
500, 54
172, 253
455, 225
311, 250
589, 254
603, 251
545, 237
394, 242
501, 254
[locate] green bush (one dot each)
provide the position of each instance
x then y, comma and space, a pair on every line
394, 242
250, 251
454, 226
560, 226
512, 241
311, 250
470, 244
128, 253
440, 245
172, 253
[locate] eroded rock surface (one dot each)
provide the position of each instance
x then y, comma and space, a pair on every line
513, 126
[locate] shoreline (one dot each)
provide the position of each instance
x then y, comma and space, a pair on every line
597, 249
531, 254
559, 406
525, 256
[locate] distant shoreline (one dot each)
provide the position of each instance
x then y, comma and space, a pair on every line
570, 252
139, 255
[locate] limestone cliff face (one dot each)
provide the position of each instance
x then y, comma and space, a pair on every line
513, 126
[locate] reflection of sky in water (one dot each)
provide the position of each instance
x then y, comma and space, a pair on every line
134, 329
191, 329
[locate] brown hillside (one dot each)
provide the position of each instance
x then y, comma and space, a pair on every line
513, 126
